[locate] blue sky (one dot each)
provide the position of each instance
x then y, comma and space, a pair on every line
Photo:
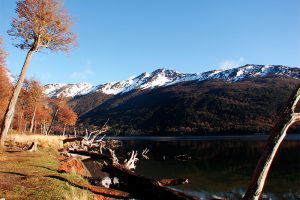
118, 39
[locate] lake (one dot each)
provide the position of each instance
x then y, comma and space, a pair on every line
218, 165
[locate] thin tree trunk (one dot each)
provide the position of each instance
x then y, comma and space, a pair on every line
44, 128
34, 130
20, 122
25, 127
64, 130
54, 116
32, 120
75, 134
13, 101
287, 118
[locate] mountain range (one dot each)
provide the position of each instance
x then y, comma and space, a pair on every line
165, 77
246, 99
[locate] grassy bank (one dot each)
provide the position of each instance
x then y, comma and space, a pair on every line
33, 175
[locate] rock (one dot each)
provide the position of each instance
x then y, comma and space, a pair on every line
73, 165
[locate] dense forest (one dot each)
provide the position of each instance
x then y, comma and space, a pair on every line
209, 107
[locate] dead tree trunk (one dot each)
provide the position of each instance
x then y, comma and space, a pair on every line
32, 120
287, 118
14, 98
143, 187
53, 118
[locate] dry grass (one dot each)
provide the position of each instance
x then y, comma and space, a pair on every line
76, 194
43, 141
28, 175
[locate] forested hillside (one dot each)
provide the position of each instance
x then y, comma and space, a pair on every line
212, 106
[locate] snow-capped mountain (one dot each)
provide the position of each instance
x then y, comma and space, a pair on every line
68, 90
165, 77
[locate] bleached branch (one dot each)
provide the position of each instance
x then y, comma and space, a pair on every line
145, 151
131, 163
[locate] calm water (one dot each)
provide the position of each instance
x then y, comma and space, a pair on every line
217, 165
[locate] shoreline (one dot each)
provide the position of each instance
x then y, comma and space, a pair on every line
290, 137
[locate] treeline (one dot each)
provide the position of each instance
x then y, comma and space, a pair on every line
35, 112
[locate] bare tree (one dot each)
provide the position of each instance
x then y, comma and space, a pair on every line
3, 54
287, 118
39, 24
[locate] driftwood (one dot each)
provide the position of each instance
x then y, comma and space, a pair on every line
173, 182
143, 187
32, 147
138, 186
94, 155
79, 139
287, 118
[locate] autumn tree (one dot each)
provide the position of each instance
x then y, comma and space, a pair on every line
40, 24
22, 108
62, 113
42, 118
36, 99
67, 117
5, 83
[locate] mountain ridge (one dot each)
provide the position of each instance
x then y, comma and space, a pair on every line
164, 77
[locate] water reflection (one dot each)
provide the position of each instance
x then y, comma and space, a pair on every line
218, 166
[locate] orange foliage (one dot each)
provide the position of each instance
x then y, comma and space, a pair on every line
5, 84
32, 106
42, 23
67, 116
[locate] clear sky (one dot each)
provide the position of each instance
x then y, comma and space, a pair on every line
118, 38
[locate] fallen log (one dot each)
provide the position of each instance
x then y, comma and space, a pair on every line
91, 154
173, 182
74, 139
143, 187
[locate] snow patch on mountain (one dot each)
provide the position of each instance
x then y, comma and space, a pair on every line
165, 77
67, 90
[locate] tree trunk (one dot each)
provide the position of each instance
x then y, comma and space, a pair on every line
13, 101
75, 133
64, 130
20, 122
25, 127
44, 128
32, 120
54, 116
34, 130
143, 187
287, 118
